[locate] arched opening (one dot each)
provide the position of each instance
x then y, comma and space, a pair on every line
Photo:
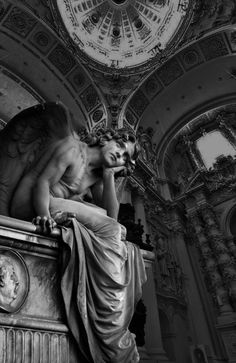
212, 146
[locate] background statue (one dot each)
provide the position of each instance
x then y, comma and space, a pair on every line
47, 173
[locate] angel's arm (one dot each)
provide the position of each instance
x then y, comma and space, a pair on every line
104, 192
60, 161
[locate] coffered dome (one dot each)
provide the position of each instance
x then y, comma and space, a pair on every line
123, 34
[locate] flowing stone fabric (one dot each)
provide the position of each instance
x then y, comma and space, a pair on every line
102, 277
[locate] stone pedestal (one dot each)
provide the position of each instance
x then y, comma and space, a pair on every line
32, 323
32, 327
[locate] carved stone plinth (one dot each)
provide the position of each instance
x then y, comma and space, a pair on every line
32, 321
32, 324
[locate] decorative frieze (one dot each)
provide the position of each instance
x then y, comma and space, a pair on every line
29, 346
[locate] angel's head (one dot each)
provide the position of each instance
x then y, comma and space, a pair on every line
119, 147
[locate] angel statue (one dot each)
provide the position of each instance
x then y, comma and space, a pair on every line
47, 174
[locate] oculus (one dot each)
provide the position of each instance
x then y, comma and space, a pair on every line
123, 33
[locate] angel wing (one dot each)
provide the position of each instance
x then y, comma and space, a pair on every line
25, 137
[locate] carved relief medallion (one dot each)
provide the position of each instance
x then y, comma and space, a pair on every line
14, 281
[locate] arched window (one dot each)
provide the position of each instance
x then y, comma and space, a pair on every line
212, 145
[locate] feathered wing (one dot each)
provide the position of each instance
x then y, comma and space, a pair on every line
23, 139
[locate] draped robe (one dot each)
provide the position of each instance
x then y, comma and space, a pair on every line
102, 277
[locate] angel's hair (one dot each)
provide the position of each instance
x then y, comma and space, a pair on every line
99, 138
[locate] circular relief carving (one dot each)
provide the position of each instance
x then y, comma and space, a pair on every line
216, 45
190, 57
41, 39
19, 21
97, 115
151, 87
14, 280
130, 117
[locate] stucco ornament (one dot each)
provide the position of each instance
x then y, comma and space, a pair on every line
14, 281
123, 33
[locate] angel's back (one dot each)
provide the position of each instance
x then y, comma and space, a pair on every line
24, 140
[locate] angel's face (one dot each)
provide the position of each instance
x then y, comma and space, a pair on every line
117, 153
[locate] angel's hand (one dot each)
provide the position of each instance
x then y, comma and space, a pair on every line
45, 224
118, 171
64, 218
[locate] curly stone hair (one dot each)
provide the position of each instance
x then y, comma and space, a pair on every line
101, 135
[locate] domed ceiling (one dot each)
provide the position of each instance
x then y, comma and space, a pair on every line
123, 34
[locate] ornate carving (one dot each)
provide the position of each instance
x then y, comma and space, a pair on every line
225, 261
78, 79
155, 210
19, 22
161, 253
191, 57
135, 182
208, 15
130, 117
210, 264
62, 59
223, 118
171, 274
169, 72
137, 32
147, 152
28, 345
193, 152
42, 39
213, 47
90, 98
14, 280
152, 87
42, 10
138, 103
